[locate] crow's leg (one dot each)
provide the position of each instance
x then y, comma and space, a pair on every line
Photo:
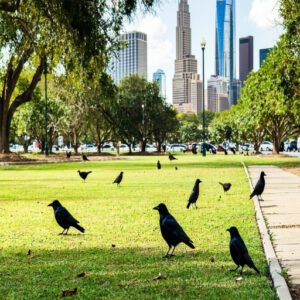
171, 254
195, 205
167, 255
260, 198
235, 269
242, 270
62, 232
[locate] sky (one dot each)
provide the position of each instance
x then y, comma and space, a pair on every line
259, 18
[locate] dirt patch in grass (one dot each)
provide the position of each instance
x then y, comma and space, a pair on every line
14, 157
273, 156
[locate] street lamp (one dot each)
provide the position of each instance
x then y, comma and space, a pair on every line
46, 108
203, 44
143, 123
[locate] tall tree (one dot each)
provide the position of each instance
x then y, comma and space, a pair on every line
66, 32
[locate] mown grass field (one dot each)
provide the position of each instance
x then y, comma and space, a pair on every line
124, 217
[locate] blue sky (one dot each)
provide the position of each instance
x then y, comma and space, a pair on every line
253, 17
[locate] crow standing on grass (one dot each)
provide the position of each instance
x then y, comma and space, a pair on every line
84, 175
259, 187
68, 154
238, 250
84, 157
172, 157
194, 195
171, 231
158, 165
64, 218
226, 186
118, 179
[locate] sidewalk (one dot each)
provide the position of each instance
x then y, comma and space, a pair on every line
281, 209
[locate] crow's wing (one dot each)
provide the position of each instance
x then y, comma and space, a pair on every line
117, 179
174, 229
193, 196
258, 189
62, 214
238, 251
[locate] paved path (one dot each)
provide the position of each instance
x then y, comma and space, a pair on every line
281, 209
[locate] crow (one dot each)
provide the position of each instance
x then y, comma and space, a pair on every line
226, 186
194, 150
233, 150
64, 218
84, 175
214, 151
171, 231
259, 187
68, 154
176, 168
172, 157
194, 195
238, 250
118, 179
84, 157
158, 165
225, 152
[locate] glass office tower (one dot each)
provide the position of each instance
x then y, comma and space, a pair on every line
160, 77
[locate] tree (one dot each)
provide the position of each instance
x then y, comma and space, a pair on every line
67, 32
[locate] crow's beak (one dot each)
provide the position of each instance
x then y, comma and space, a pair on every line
156, 207
51, 204
228, 229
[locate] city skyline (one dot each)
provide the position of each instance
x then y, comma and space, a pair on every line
160, 28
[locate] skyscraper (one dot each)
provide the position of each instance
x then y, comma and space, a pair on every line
225, 39
263, 53
217, 94
132, 59
187, 95
160, 77
246, 57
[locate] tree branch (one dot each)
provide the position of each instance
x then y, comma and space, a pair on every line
10, 6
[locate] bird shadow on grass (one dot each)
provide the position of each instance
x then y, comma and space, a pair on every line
124, 273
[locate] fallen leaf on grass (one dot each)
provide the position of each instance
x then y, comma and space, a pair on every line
239, 279
83, 274
159, 277
212, 259
69, 292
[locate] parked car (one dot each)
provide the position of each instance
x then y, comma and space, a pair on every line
107, 147
292, 146
16, 148
124, 147
220, 148
178, 147
209, 147
247, 147
33, 148
266, 146
150, 148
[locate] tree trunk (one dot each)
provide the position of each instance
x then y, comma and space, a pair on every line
99, 148
143, 144
4, 136
159, 147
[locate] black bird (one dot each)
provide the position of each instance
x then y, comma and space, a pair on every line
176, 168
158, 165
84, 157
225, 152
84, 175
233, 150
172, 157
213, 151
64, 218
259, 187
194, 195
226, 186
238, 251
171, 231
68, 154
118, 179
194, 150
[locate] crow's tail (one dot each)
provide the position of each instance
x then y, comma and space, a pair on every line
221, 183
188, 206
81, 229
190, 244
89, 172
254, 268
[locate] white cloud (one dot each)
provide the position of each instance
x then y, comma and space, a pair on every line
265, 13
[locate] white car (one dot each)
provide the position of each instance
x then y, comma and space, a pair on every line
16, 148
178, 147
266, 146
150, 148
124, 147
247, 147
108, 147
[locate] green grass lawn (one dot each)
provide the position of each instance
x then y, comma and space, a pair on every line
124, 217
